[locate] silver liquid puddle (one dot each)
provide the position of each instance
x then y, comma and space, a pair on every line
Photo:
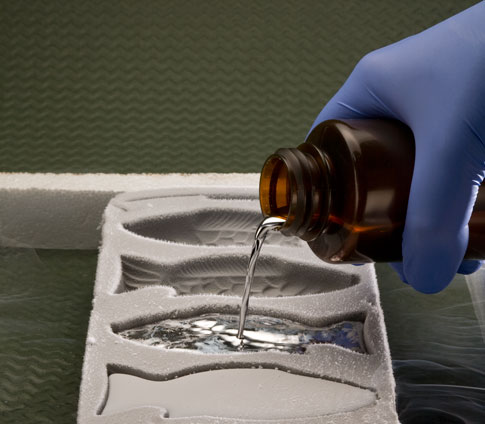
268, 224
217, 333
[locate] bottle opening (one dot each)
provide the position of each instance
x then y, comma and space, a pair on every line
274, 188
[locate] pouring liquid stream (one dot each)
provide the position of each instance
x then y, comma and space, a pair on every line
270, 223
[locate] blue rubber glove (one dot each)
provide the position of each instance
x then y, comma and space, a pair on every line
435, 83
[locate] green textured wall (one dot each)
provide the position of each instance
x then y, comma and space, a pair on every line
190, 86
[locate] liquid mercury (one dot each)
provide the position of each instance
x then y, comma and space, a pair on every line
217, 333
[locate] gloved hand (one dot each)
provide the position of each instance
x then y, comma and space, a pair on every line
435, 83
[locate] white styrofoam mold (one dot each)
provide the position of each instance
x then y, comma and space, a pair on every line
183, 252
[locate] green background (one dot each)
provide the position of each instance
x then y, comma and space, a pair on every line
179, 85
163, 86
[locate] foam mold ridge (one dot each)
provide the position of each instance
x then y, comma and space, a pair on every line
182, 252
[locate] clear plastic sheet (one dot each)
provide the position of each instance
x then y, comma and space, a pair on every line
437, 350
45, 300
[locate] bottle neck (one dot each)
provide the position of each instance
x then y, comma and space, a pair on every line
295, 186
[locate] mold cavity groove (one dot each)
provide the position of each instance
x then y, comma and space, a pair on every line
225, 275
216, 333
211, 227
237, 393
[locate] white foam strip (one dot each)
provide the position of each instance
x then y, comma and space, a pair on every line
117, 182
64, 211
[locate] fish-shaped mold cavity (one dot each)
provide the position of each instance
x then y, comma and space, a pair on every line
216, 333
225, 275
237, 393
208, 227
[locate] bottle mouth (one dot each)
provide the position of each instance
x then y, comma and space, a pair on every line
275, 188
290, 188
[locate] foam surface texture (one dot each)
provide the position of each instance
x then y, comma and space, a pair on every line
182, 252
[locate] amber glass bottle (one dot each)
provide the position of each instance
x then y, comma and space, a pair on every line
345, 191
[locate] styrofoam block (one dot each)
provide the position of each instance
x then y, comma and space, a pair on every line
181, 252
63, 211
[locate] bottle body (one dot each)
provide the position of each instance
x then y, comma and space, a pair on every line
346, 193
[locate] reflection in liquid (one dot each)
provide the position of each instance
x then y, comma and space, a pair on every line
216, 333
